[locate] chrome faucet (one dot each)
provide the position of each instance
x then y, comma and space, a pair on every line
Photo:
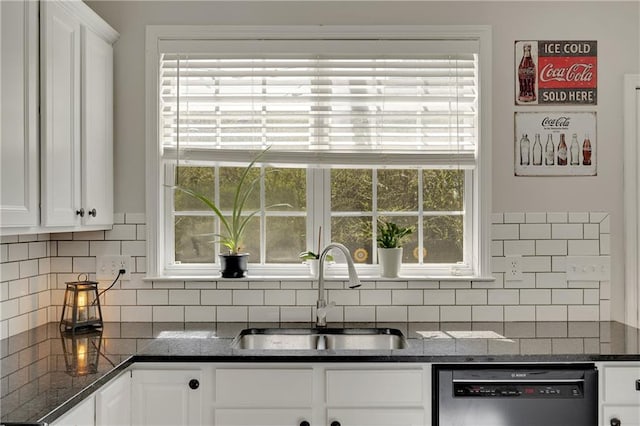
354, 282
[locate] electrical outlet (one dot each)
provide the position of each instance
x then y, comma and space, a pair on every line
107, 267
513, 268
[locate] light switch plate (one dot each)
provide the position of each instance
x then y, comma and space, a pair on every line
588, 268
107, 267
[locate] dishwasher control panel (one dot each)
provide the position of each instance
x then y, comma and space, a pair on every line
523, 390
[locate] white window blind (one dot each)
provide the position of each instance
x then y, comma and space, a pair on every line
314, 100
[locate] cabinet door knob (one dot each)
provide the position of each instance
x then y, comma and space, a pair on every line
92, 212
335, 423
615, 422
80, 212
305, 423
194, 384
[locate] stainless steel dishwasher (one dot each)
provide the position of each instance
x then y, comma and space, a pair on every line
515, 395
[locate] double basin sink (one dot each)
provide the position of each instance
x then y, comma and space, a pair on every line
320, 339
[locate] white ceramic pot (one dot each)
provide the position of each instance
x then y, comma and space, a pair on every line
313, 267
390, 260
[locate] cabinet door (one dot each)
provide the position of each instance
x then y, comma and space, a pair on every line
97, 129
262, 416
19, 161
60, 114
113, 402
620, 384
376, 416
164, 397
81, 415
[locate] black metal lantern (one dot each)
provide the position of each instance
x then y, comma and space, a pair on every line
81, 352
81, 309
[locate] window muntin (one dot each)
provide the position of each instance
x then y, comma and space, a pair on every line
477, 192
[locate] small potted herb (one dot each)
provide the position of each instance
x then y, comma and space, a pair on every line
312, 258
389, 239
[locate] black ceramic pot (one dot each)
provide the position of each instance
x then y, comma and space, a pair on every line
234, 265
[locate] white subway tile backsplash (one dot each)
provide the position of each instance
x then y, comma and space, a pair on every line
584, 247
551, 247
535, 231
514, 217
487, 313
519, 248
535, 217
424, 313
168, 313
455, 313
375, 297
557, 217
359, 313
184, 297
18, 324
47, 261
471, 297
567, 231
505, 232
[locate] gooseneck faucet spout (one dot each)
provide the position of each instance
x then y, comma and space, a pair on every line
354, 281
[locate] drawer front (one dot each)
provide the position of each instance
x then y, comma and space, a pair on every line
628, 416
263, 417
264, 387
374, 387
620, 384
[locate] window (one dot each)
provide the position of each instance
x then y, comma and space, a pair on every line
359, 128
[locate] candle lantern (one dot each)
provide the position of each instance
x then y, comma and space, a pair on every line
81, 351
81, 309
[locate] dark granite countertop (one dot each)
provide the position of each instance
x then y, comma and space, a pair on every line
38, 383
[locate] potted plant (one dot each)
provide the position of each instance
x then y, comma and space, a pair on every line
390, 237
313, 258
234, 263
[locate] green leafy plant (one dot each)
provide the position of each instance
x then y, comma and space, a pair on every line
391, 235
234, 227
309, 255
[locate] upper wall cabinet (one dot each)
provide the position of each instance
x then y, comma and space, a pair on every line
19, 168
76, 102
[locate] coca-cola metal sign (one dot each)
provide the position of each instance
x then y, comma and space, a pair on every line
555, 144
556, 72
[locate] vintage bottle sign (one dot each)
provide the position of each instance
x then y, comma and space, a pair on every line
565, 72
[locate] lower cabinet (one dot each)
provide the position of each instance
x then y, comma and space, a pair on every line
166, 397
82, 414
113, 402
620, 393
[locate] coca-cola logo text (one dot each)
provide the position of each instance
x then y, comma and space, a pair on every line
556, 123
572, 73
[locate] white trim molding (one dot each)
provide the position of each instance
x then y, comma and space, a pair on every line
631, 197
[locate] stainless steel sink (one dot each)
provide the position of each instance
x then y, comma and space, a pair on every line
320, 339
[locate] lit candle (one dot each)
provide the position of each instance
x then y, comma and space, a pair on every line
82, 306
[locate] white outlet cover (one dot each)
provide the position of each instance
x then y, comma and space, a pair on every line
107, 267
513, 268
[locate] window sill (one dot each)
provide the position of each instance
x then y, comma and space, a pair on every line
369, 278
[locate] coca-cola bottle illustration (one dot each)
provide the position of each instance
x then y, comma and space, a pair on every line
586, 151
527, 76
562, 151
549, 151
537, 151
575, 150
525, 149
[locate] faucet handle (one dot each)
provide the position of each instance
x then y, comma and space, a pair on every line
321, 313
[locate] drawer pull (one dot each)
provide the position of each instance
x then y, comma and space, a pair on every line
638, 385
80, 212
335, 423
305, 423
615, 422
93, 212
194, 384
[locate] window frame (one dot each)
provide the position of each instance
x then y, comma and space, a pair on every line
477, 213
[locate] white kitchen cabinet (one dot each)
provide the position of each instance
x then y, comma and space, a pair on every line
620, 393
166, 397
76, 99
19, 142
82, 414
113, 402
